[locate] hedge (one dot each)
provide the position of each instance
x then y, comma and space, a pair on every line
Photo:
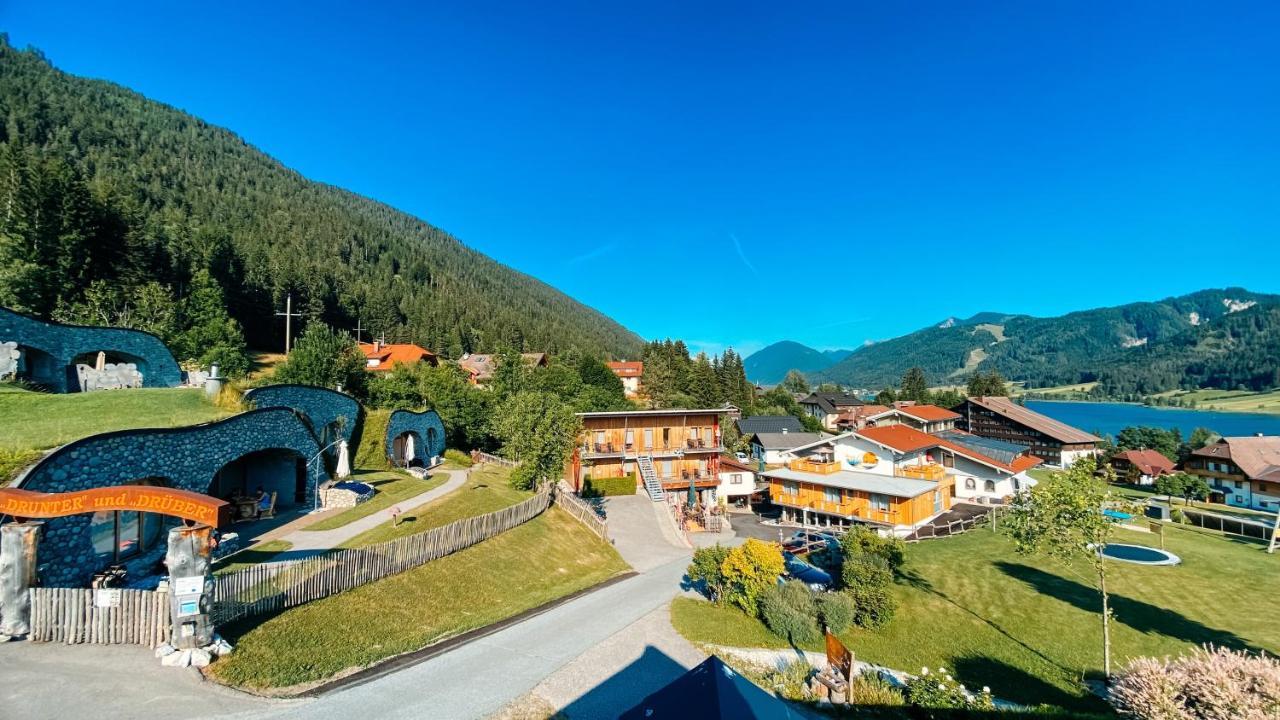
604, 487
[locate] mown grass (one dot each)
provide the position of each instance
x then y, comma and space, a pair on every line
1030, 629
546, 558
485, 491
37, 421
392, 487
1228, 400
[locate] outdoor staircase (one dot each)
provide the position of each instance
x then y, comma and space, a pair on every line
650, 477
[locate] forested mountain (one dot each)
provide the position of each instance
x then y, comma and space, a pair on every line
115, 207
1213, 338
769, 365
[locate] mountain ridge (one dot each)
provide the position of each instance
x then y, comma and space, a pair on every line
770, 364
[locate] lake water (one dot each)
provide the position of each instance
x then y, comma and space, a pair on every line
1111, 418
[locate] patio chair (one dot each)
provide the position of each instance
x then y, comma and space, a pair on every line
270, 510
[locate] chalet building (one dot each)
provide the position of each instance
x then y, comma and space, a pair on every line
1002, 419
925, 418
662, 449
827, 406
1141, 467
822, 492
381, 357
1241, 471
630, 374
858, 417
753, 424
480, 367
737, 481
772, 448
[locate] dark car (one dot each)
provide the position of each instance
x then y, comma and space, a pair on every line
805, 541
797, 569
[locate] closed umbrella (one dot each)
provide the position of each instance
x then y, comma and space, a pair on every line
408, 449
344, 459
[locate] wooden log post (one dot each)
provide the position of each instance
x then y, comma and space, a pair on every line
17, 575
190, 586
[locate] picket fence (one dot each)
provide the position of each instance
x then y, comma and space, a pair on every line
69, 615
485, 457
272, 587
581, 510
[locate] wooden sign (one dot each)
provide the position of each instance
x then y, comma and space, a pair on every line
839, 657
142, 498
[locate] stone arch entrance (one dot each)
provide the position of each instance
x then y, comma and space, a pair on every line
38, 367
407, 450
105, 370
271, 470
424, 428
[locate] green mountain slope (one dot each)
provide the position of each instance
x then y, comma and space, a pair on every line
770, 365
162, 196
1213, 338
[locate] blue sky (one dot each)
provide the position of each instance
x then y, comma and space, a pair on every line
741, 173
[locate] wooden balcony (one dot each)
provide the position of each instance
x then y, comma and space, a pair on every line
813, 466
851, 508
932, 471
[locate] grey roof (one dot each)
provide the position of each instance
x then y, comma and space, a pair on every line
787, 440
769, 424
1001, 450
829, 400
862, 481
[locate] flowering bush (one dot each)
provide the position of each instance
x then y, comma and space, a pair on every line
1210, 683
938, 690
747, 571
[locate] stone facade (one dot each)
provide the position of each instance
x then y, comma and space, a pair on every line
332, 414
186, 458
49, 351
333, 496
426, 427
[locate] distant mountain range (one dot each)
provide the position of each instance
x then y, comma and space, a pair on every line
1228, 338
771, 364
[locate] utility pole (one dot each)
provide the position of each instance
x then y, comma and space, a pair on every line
289, 315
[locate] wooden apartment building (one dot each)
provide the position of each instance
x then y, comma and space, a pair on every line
1057, 443
683, 445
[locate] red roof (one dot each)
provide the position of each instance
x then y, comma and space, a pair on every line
906, 439
626, 369
929, 413
388, 355
1148, 462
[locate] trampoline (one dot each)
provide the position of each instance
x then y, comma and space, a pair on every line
1139, 554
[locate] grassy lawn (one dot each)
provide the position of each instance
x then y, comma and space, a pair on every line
1230, 400
1137, 493
1030, 629
260, 553
546, 558
392, 488
34, 420
486, 490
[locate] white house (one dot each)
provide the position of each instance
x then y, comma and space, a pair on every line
737, 481
984, 470
772, 447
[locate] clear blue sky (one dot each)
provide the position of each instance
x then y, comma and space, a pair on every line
742, 173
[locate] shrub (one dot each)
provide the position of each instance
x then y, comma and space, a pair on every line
457, 457
707, 568
749, 570
13, 462
1176, 515
1208, 683
869, 688
861, 541
873, 606
865, 571
837, 610
788, 610
609, 486
939, 691
372, 451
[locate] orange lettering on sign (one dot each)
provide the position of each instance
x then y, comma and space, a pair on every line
144, 498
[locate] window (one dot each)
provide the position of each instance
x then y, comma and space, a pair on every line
600, 437
631, 438
970, 484
120, 535
1239, 485
735, 479
989, 486
831, 495
648, 438
666, 437
667, 469
879, 502
790, 488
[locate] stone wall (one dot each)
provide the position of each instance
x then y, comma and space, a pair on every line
59, 345
9, 355
112, 376
427, 426
186, 458
323, 408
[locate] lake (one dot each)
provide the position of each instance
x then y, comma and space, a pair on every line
1111, 418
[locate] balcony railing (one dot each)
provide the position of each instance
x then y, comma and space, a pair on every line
845, 509
633, 450
932, 471
814, 466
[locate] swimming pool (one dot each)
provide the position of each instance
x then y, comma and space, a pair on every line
1139, 554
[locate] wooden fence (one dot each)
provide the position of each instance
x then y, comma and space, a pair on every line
580, 509
955, 527
271, 587
70, 615
484, 457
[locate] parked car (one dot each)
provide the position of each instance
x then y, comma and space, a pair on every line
742, 457
808, 541
817, 579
